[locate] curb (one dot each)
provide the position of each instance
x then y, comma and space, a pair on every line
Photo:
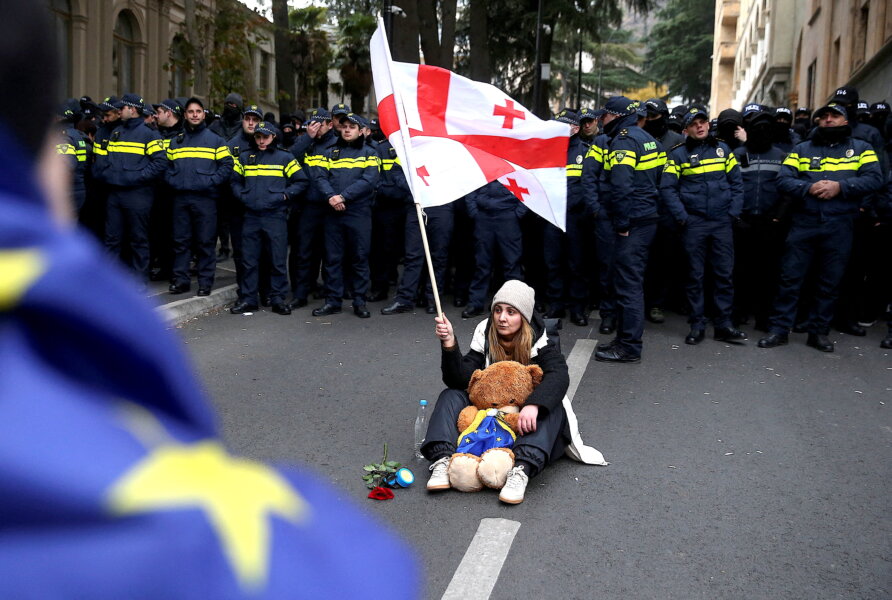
187, 308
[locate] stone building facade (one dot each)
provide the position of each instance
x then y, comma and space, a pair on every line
797, 52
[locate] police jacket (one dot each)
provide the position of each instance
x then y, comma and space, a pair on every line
315, 156
632, 174
593, 175
239, 143
393, 180
759, 170
199, 161
103, 132
168, 133
226, 129
267, 182
871, 135
494, 198
576, 153
75, 147
349, 169
851, 162
300, 146
702, 178
133, 156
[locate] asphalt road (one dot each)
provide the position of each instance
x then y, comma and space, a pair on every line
736, 472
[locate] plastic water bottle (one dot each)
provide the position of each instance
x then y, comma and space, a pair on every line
420, 427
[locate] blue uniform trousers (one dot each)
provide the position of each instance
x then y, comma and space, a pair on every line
462, 255
758, 246
630, 263
348, 237
495, 232
307, 254
666, 268
127, 220
537, 448
194, 227
564, 252
709, 243
388, 225
265, 230
439, 234
825, 243
605, 250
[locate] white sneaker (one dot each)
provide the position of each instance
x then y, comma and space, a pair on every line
515, 487
439, 478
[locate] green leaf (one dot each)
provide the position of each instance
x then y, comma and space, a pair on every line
392, 463
370, 467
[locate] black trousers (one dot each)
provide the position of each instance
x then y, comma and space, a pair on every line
538, 448
307, 255
439, 232
388, 225
565, 259
194, 226
348, 236
270, 229
630, 263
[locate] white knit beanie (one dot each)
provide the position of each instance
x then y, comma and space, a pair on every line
517, 294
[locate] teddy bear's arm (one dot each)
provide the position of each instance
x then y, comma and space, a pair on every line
466, 417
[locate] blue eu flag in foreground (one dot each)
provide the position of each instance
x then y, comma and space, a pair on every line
113, 482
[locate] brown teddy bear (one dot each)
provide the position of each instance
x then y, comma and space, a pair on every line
488, 427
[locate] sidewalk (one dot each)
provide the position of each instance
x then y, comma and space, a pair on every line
177, 308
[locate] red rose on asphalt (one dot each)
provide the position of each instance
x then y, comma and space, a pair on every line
380, 493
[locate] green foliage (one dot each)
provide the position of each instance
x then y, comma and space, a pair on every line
310, 52
234, 36
352, 58
679, 48
375, 472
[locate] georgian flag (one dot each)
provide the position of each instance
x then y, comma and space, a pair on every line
454, 135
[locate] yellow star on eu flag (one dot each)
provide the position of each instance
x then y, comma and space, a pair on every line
238, 496
19, 269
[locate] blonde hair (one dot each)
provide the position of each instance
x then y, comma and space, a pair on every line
520, 348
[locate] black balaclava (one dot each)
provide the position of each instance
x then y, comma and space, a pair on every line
656, 127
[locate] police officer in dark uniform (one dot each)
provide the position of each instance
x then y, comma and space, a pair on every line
389, 214
169, 118
304, 262
702, 189
829, 176
848, 96
347, 175
230, 122
132, 160
802, 123
76, 149
496, 213
588, 125
268, 181
784, 137
564, 251
632, 170
598, 209
200, 163
759, 234
666, 253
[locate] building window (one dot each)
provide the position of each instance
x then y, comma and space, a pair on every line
859, 40
263, 86
180, 67
62, 18
833, 67
124, 52
810, 84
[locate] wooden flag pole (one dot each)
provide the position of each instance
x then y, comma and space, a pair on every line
427, 257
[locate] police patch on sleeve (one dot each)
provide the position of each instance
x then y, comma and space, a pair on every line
850, 153
720, 152
620, 155
578, 159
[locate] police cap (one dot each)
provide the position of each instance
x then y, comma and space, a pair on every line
265, 128
567, 116
587, 113
111, 103
621, 106
132, 100
319, 115
863, 108
845, 95
696, 111
879, 107
70, 110
340, 109
834, 107
354, 118
253, 109
655, 106
171, 105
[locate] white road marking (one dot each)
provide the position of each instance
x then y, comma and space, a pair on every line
479, 570
578, 362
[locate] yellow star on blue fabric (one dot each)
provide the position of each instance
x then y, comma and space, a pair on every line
19, 269
237, 495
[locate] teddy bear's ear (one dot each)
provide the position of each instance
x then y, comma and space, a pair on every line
475, 377
536, 374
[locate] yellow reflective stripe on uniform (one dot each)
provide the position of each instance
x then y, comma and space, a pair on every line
868, 156
653, 160
792, 160
100, 151
292, 168
237, 166
623, 157
730, 163
126, 148
387, 163
361, 162
192, 152
264, 170
81, 155
165, 143
315, 161
687, 169
154, 146
19, 269
671, 168
595, 152
65, 149
222, 152
574, 170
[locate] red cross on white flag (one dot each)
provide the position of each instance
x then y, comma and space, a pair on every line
454, 135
